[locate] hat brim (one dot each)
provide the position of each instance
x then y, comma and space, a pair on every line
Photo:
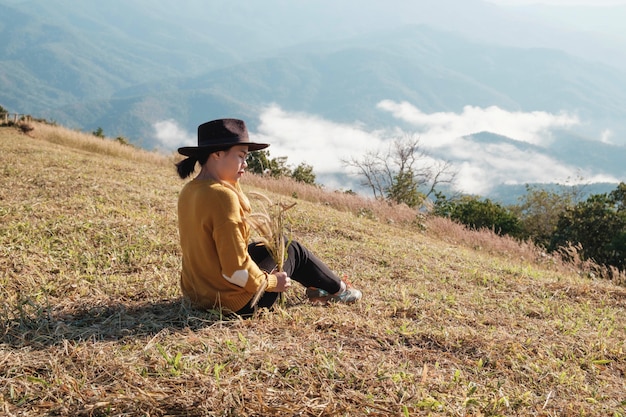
199, 150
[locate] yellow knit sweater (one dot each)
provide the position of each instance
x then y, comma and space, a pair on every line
217, 271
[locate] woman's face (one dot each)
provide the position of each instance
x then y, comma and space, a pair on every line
231, 164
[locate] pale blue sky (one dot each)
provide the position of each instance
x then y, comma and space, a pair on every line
561, 2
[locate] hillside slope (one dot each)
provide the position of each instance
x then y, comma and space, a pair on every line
92, 322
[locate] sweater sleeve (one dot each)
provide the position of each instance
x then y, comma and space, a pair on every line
231, 237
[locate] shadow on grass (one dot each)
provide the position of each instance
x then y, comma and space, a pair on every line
35, 326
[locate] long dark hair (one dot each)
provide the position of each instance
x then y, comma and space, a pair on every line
187, 166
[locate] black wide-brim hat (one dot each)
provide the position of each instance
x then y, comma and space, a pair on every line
221, 134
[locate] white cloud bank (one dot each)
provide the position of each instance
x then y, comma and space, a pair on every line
487, 165
324, 144
171, 136
442, 129
318, 142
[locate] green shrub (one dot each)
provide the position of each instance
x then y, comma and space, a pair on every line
598, 225
479, 214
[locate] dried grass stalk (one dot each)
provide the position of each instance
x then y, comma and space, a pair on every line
269, 224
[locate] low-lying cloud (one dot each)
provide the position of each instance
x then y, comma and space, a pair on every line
171, 136
446, 136
443, 128
315, 141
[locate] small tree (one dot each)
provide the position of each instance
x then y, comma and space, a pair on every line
99, 133
539, 210
259, 162
404, 189
3, 115
399, 173
303, 173
122, 140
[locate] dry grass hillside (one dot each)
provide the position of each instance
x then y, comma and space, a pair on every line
452, 323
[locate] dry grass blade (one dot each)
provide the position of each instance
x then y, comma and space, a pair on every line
259, 293
270, 228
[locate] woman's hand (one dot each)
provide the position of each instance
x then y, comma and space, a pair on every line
283, 282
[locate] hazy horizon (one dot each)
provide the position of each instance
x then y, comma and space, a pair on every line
324, 144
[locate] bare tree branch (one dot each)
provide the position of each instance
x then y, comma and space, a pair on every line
401, 171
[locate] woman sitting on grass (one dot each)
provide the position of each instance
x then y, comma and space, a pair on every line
220, 268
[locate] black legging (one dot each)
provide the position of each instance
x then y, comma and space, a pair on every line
301, 266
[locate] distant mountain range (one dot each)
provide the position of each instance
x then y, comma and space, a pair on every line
125, 65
